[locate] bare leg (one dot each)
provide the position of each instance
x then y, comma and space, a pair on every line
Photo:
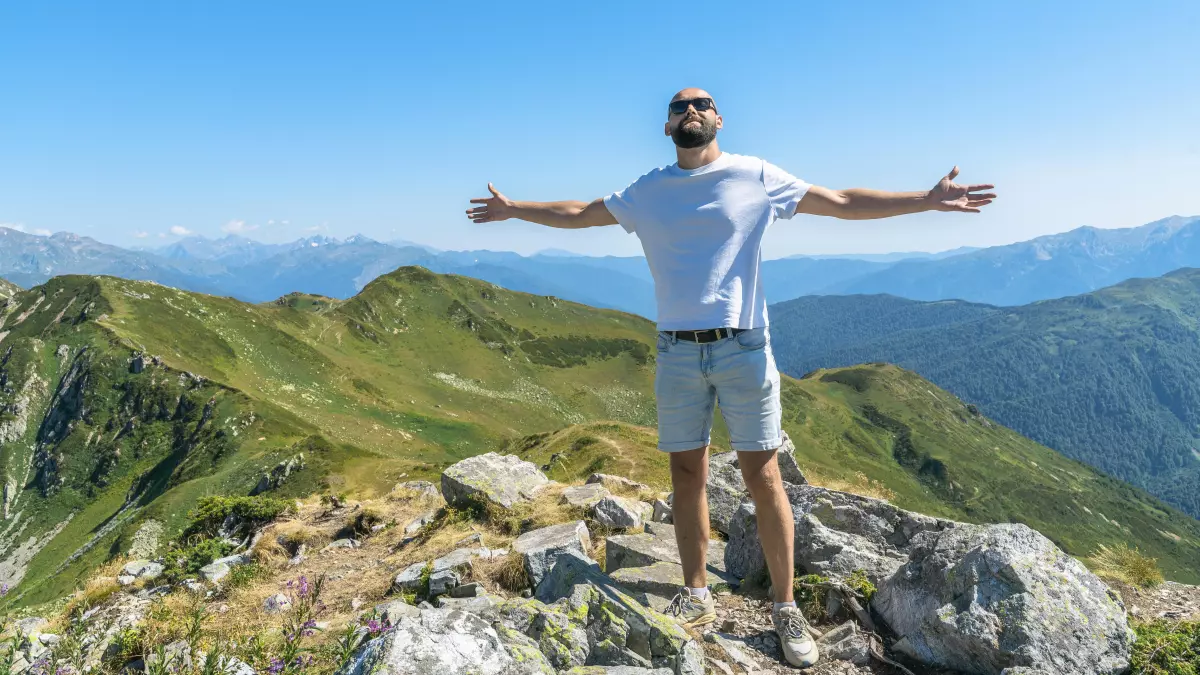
776, 527
689, 510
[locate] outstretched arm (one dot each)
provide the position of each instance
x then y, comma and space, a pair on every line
864, 204
570, 215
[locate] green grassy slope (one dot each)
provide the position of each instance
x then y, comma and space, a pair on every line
1108, 378
412, 374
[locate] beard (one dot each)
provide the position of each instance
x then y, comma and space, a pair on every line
695, 137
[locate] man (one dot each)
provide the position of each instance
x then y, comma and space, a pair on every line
701, 223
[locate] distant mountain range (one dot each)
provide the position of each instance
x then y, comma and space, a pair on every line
1082, 260
1111, 377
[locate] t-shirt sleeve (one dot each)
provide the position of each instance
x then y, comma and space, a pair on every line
623, 206
783, 189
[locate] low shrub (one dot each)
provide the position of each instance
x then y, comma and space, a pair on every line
211, 512
1166, 648
184, 561
1126, 564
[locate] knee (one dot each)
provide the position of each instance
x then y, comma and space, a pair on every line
761, 477
689, 470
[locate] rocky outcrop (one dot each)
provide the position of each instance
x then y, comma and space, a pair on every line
278, 475
836, 533
440, 642
503, 480
983, 598
619, 629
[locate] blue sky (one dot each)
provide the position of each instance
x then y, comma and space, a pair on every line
280, 119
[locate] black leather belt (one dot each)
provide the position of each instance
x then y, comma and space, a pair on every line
702, 336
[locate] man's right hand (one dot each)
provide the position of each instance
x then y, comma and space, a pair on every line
496, 207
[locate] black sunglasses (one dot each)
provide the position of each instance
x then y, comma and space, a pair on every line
700, 104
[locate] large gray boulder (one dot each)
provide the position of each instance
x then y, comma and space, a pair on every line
656, 544
727, 489
540, 548
836, 533
500, 479
440, 642
985, 598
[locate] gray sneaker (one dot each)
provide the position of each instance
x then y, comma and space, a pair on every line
689, 611
798, 646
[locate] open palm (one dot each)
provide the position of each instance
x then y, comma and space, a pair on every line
950, 196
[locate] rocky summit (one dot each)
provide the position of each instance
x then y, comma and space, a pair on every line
524, 590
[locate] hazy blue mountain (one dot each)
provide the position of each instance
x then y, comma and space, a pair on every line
1111, 377
891, 257
29, 260
1054, 266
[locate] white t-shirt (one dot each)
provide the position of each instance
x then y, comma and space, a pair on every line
701, 230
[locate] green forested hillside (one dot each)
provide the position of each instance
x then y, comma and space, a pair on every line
1111, 378
126, 401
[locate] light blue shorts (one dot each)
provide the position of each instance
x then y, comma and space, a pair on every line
738, 372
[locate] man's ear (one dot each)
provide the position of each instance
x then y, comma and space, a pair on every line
720, 121
667, 129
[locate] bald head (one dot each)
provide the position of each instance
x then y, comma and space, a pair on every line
692, 118
690, 92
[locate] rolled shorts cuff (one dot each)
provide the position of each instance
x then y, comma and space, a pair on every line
681, 446
770, 444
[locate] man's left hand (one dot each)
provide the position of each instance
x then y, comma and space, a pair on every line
950, 196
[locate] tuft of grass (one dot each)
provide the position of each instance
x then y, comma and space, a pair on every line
1166, 648
859, 582
811, 601
1126, 564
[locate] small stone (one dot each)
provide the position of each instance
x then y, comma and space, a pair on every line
442, 581
341, 543
470, 590
662, 512
422, 488
355, 604
277, 603
616, 482
619, 512
540, 548
393, 611
584, 496
409, 579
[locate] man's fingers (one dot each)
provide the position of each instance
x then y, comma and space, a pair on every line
953, 173
494, 191
481, 200
979, 202
986, 195
977, 188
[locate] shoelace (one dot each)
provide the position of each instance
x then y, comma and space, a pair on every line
678, 603
794, 625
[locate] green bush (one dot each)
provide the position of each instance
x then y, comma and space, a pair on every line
211, 512
1165, 648
184, 561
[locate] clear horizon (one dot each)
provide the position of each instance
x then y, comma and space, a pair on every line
142, 123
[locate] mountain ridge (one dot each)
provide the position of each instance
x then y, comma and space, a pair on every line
1104, 377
